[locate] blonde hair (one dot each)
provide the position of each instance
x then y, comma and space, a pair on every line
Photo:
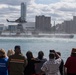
10, 52
2, 53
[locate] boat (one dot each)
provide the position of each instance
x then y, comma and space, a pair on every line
64, 36
56, 35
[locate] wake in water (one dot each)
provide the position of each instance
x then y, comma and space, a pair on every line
39, 39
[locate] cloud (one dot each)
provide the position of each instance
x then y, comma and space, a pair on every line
15, 2
58, 10
11, 9
69, 1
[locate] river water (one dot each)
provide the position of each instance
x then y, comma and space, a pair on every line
63, 45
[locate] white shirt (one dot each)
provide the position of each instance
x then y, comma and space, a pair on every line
51, 67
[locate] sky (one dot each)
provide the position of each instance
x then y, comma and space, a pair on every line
58, 10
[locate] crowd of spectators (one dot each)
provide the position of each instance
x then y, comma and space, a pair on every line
15, 63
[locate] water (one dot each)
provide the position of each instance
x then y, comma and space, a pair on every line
36, 44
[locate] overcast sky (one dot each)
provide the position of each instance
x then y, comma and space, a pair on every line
58, 10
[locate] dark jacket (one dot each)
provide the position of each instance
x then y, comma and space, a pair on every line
30, 68
61, 67
16, 64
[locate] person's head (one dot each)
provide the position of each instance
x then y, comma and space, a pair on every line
17, 49
40, 54
10, 52
52, 51
58, 53
73, 52
51, 55
29, 54
2, 53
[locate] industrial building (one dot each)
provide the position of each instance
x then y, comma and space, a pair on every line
43, 23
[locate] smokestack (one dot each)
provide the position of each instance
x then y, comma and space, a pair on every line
23, 11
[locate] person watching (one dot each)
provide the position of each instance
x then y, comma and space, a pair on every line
51, 67
17, 62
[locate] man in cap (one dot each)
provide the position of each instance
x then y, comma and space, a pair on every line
17, 62
70, 64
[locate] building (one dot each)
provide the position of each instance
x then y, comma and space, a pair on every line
12, 28
22, 18
68, 26
2, 27
43, 23
29, 26
23, 11
73, 27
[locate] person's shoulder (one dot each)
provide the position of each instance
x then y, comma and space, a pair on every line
46, 62
69, 58
45, 59
58, 60
62, 61
11, 56
6, 58
22, 56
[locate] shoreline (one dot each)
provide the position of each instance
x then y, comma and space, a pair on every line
42, 35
